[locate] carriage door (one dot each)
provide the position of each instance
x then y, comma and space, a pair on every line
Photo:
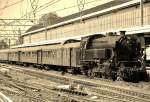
70, 57
39, 56
8, 56
19, 55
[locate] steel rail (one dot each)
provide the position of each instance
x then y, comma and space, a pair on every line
4, 98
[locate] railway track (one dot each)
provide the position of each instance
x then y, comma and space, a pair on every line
14, 91
24, 89
102, 91
3, 98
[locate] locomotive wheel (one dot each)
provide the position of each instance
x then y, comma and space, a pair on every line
120, 73
76, 71
84, 70
100, 75
119, 78
103, 75
113, 75
91, 73
135, 77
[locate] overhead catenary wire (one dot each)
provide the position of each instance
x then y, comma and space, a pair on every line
69, 7
40, 8
7, 6
47, 4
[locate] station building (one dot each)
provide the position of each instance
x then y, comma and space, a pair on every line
112, 16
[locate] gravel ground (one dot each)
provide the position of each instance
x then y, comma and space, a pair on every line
21, 87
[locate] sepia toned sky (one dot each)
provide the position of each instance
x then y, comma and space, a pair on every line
18, 8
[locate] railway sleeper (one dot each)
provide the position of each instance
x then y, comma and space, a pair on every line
74, 92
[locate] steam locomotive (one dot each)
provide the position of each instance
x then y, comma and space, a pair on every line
116, 57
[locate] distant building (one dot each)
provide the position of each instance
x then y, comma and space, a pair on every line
3, 45
112, 16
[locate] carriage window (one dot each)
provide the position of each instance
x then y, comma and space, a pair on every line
50, 53
23, 53
26, 54
45, 54
29, 53
33, 54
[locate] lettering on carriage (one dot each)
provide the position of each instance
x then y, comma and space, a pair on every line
52, 53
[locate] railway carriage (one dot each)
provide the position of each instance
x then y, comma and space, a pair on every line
72, 53
28, 55
64, 55
4, 56
14, 56
51, 55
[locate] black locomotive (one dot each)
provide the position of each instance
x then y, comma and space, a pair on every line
115, 57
